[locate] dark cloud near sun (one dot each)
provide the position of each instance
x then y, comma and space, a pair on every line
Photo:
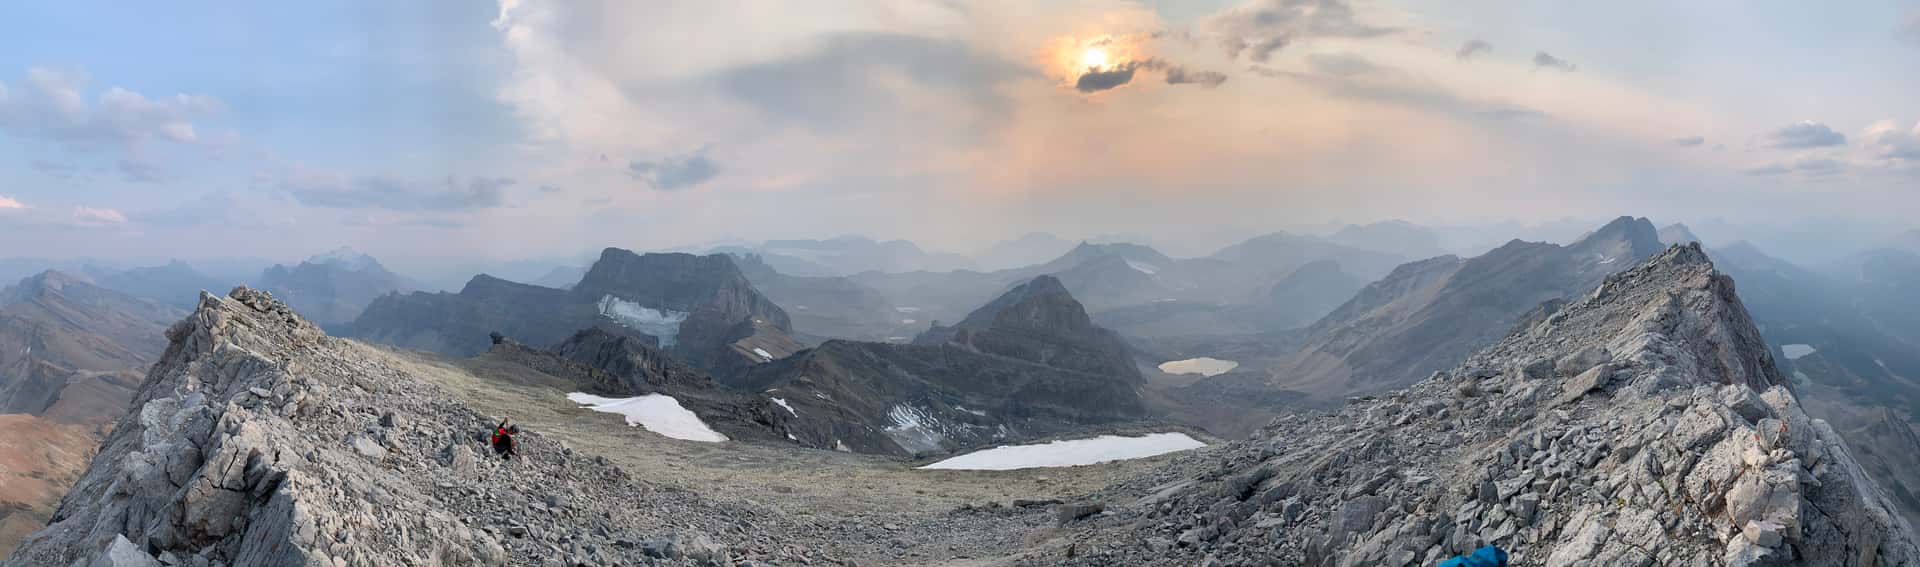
675, 173
1804, 135
1261, 27
1471, 48
1097, 80
396, 194
1547, 60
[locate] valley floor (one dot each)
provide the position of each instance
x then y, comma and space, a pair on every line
874, 509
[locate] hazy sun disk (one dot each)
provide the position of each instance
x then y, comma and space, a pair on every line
1094, 57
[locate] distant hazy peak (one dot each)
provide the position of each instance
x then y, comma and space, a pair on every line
1677, 233
346, 257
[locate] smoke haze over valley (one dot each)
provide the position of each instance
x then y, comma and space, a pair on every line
1091, 282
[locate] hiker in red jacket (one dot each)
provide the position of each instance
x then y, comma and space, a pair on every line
503, 443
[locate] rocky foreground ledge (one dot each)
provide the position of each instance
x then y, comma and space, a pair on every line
1642, 425
258, 440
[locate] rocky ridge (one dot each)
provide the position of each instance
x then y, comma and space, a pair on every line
1642, 424
259, 440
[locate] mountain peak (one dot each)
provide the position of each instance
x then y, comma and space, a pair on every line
1634, 237
1659, 378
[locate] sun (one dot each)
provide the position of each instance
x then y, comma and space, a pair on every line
1094, 57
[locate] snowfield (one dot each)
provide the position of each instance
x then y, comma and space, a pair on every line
763, 354
1074, 452
783, 403
664, 324
1143, 267
1203, 366
1794, 352
658, 413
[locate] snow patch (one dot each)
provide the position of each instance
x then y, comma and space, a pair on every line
662, 323
907, 309
1143, 267
658, 413
763, 354
974, 412
1795, 351
908, 321
1075, 452
1204, 366
783, 403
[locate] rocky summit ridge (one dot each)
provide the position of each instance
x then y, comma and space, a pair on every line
259, 440
1643, 424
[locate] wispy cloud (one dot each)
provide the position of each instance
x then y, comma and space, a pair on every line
1689, 141
1471, 48
330, 190
89, 216
676, 172
1810, 166
1261, 27
11, 203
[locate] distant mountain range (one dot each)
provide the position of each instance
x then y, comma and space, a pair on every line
702, 309
71, 355
333, 288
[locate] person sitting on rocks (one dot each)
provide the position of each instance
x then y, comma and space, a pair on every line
1488, 556
503, 442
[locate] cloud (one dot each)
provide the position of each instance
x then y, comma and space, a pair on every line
335, 191
848, 77
52, 106
1095, 80
1811, 166
1471, 48
11, 203
1260, 27
1354, 77
1261, 51
1911, 30
1887, 141
677, 172
1543, 59
1177, 75
88, 216
549, 189
1807, 134
136, 170
1341, 64
1688, 141
55, 169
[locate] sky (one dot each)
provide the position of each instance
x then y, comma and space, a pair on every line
529, 128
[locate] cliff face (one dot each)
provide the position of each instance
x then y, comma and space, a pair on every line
1644, 423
